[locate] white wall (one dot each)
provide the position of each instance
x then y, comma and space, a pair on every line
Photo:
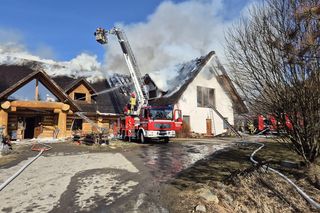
198, 115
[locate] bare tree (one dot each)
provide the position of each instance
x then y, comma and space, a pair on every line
274, 52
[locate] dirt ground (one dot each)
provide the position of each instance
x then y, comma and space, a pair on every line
133, 177
120, 177
237, 186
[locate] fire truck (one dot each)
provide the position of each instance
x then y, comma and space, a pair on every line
268, 123
146, 121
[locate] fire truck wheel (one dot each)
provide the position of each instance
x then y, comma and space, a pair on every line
166, 140
142, 138
123, 136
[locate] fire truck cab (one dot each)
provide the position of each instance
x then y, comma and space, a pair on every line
153, 122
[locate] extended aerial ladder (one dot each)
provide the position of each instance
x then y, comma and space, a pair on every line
101, 37
220, 71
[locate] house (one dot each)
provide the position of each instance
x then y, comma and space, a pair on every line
199, 85
33, 104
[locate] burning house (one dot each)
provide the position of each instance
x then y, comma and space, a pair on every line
205, 94
34, 104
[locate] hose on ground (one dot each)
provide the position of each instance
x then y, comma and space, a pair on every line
33, 148
300, 191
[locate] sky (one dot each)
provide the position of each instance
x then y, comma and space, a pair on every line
161, 33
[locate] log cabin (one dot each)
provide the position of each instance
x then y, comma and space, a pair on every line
35, 105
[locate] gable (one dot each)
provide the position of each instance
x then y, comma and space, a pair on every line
11, 75
187, 74
77, 93
206, 80
24, 76
33, 90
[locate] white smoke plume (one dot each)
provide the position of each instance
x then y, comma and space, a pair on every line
175, 33
13, 52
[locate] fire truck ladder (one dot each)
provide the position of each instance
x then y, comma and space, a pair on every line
133, 59
226, 122
101, 37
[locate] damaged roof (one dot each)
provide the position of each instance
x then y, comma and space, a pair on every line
188, 72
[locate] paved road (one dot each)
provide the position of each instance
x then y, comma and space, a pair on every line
81, 181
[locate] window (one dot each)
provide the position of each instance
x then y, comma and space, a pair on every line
28, 92
77, 124
186, 119
161, 114
205, 97
79, 96
225, 125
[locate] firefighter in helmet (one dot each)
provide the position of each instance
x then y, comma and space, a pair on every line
133, 102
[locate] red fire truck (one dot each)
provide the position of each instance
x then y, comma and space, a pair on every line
145, 122
270, 124
153, 122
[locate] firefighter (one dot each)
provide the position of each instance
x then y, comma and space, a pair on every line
133, 102
127, 109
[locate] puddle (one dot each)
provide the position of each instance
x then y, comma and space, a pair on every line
165, 161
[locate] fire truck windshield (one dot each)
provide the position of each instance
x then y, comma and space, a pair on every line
165, 114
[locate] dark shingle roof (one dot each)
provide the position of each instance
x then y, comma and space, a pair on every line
13, 77
108, 102
11, 74
64, 81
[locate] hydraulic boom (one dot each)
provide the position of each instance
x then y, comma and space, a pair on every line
101, 37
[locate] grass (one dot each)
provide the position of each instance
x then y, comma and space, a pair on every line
215, 169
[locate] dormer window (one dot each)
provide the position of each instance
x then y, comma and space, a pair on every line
79, 96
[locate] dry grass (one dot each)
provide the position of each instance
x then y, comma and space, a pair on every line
256, 192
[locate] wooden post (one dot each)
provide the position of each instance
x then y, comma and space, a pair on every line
99, 121
36, 96
62, 124
4, 121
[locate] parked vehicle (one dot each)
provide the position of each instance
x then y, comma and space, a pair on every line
269, 124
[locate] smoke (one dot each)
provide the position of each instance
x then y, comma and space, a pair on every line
14, 52
175, 33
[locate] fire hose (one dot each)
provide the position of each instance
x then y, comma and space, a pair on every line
300, 191
33, 148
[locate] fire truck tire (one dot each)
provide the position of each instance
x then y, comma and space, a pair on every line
142, 138
166, 140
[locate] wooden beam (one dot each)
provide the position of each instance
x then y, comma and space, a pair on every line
65, 107
57, 110
37, 104
62, 124
5, 105
36, 95
4, 121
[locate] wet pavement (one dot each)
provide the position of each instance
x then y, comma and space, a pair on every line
116, 181
158, 163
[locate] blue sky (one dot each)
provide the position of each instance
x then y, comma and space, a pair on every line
62, 29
